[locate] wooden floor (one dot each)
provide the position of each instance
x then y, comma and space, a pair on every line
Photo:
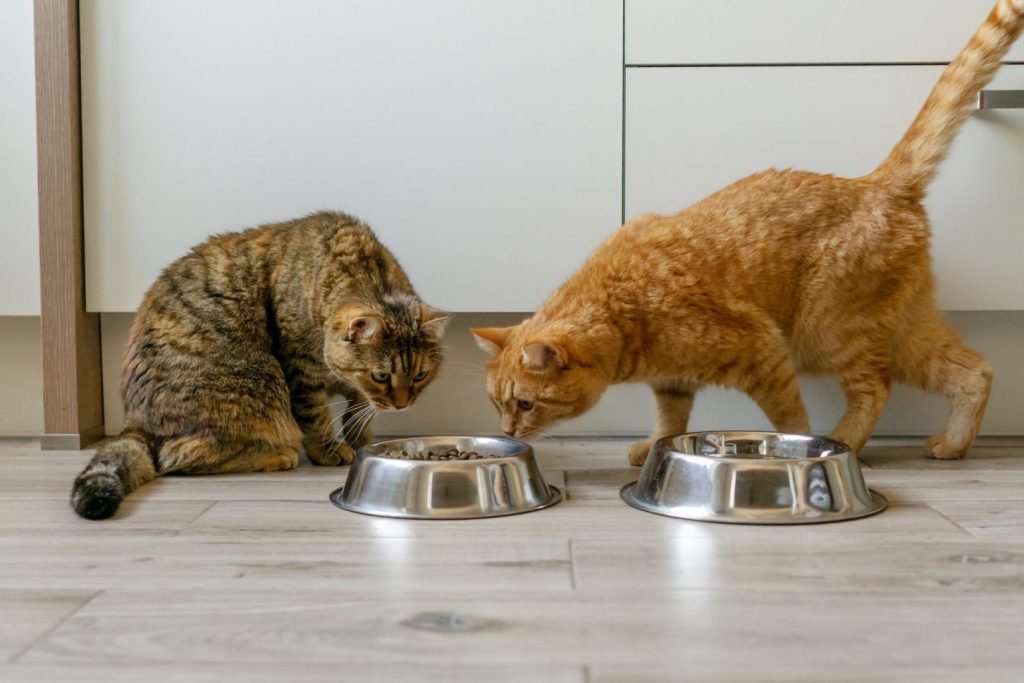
259, 578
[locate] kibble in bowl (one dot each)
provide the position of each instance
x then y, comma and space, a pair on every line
445, 477
438, 454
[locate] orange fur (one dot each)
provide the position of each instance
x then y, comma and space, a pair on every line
781, 272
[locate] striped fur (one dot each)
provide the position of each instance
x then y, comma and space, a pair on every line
914, 161
119, 467
238, 344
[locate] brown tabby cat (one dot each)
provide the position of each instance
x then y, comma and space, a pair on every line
239, 343
780, 272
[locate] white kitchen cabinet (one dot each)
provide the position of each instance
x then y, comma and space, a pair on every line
691, 131
482, 140
19, 207
801, 31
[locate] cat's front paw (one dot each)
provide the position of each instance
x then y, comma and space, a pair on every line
938, 448
335, 453
638, 452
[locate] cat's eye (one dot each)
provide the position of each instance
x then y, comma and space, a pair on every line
524, 404
380, 377
421, 376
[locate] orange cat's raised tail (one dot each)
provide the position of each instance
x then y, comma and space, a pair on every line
781, 272
916, 158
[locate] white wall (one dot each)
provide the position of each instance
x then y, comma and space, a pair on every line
21, 377
456, 403
21, 363
19, 211
474, 136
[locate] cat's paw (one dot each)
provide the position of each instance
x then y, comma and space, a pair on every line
638, 452
285, 459
333, 454
938, 448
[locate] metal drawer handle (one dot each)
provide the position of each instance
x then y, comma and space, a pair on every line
1001, 99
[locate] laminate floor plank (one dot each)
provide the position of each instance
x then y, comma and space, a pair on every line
426, 565
706, 630
991, 519
822, 565
259, 578
292, 672
794, 674
27, 615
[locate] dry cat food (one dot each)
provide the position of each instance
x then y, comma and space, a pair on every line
439, 454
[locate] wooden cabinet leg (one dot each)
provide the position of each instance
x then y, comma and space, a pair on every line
72, 382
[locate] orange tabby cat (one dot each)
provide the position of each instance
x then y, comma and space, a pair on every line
783, 271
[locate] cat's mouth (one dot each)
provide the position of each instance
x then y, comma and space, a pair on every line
385, 408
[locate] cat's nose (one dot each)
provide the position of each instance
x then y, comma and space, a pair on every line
509, 432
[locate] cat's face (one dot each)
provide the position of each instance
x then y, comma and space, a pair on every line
389, 351
536, 378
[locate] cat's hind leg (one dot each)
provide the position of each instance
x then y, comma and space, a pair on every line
931, 356
209, 454
674, 401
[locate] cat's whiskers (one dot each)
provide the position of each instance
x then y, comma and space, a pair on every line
329, 429
357, 421
340, 416
349, 419
363, 421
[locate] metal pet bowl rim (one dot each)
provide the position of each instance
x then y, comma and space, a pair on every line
879, 502
522, 452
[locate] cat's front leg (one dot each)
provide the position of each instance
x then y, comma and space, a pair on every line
674, 401
314, 418
356, 419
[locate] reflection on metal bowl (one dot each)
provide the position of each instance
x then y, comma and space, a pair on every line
507, 484
753, 478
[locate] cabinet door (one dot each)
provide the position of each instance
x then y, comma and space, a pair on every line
691, 131
801, 31
19, 208
482, 140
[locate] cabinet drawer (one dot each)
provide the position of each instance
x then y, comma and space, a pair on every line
19, 211
691, 131
482, 140
801, 31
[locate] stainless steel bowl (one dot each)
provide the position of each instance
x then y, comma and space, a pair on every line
753, 478
446, 489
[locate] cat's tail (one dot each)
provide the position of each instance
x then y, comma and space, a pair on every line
120, 466
913, 162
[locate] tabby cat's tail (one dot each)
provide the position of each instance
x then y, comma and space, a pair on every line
913, 162
120, 466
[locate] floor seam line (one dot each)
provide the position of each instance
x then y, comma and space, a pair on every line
50, 631
572, 568
949, 519
193, 520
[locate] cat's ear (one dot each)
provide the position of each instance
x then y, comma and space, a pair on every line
491, 339
358, 323
363, 326
433, 322
545, 356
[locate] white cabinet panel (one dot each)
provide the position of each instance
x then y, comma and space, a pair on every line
19, 208
691, 131
800, 31
480, 139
